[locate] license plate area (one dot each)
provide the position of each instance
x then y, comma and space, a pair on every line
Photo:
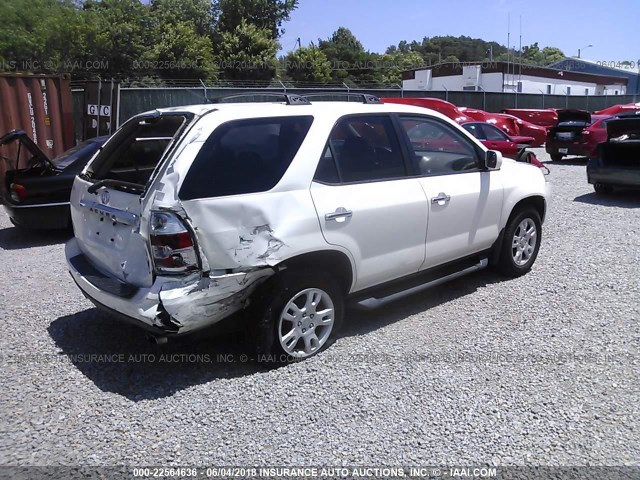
563, 150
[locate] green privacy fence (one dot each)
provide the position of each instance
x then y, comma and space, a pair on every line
137, 100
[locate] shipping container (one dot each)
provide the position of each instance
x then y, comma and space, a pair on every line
41, 106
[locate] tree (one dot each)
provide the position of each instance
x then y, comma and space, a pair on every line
308, 64
264, 14
248, 52
39, 35
393, 64
348, 58
119, 33
182, 31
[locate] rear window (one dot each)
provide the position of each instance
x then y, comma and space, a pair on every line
135, 150
245, 156
82, 151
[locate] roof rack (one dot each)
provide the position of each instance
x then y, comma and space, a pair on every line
365, 97
289, 98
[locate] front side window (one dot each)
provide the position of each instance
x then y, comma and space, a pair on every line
438, 148
494, 133
364, 148
245, 156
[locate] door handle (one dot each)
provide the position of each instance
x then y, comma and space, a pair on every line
340, 213
441, 199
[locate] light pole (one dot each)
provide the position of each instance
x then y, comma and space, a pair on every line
582, 48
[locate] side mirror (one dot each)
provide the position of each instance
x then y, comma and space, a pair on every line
492, 160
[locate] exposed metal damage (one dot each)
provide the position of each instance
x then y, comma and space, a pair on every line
187, 305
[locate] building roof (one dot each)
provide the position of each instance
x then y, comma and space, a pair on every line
566, 62
455, 68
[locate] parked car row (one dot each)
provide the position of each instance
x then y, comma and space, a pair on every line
286, 211
509, 124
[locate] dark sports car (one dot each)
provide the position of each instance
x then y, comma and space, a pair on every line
617, 161
36, 189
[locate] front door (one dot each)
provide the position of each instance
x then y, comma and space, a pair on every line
464, 201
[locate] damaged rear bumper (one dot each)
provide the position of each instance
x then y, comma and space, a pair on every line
170, 306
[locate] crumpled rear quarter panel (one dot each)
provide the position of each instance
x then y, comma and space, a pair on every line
255, 230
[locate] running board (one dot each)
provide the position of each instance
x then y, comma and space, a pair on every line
372, 302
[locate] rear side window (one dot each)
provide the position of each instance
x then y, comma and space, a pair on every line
245, 156
475, 130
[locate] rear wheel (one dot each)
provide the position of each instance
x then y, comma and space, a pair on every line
521, 243
295, 316
556, 157
602, 189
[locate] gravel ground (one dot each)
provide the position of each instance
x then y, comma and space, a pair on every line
540, 370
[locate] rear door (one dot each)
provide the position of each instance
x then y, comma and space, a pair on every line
106, 203
367, 204
464, 201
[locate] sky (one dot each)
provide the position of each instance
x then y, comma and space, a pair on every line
611, 26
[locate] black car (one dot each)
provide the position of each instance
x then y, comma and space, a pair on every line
566, 138
617, 162
36, 189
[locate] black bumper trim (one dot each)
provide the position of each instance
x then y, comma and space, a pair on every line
100, 280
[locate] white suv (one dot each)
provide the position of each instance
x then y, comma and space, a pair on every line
286, 210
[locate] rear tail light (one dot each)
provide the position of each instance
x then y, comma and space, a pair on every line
172, 245
18, 192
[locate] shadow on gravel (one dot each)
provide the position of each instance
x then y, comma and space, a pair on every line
118, 358
15, 238
620, 198
361, 322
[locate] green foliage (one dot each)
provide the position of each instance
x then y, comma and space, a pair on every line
248, 52
394, 62
308, 64
348, 58
233, 39
264, 14
183, 29
38, 34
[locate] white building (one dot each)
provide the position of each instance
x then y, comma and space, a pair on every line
511, 78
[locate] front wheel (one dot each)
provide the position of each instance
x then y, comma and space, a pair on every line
296, 316
521, 243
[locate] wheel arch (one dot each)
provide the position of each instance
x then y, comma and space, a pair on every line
333, 261
537, 202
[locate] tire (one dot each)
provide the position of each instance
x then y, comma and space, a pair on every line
556, 157
519, 247
282, 309
602, 189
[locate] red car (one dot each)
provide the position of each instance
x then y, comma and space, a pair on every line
511, 125
442, 106
547, 117
616, 109
508, 123
510, 146
577, 132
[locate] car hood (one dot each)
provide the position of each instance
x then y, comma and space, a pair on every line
581, 116
623, 126
24, 141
